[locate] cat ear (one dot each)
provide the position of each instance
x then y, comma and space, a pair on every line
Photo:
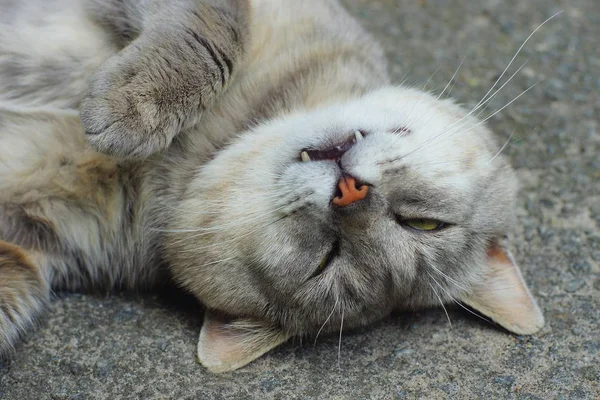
226, 345
503, 295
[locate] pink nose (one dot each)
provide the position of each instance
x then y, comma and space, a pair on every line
350, 193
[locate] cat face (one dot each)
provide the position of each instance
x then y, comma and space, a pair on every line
336, 217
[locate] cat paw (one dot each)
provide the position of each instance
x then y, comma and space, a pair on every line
130, 110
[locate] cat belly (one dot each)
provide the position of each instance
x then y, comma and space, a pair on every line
72, 210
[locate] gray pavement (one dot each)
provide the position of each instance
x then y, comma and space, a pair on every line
143, 346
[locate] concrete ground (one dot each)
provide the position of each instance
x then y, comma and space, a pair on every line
136, 346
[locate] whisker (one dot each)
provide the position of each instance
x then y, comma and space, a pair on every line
326, 321
503, 147
202, 231
213, 203
340, 341
484, 120
487, 101
410, 116
517, 53
441, 303
451, 88
430, 78
451, 79
221, 243
489, 95
456, 126
503, 107
448, 278
458, 302
472, 312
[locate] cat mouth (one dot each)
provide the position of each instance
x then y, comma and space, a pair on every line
334, 152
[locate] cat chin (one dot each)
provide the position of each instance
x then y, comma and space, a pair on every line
226, 344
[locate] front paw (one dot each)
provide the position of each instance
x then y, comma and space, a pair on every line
131, 111
120, 125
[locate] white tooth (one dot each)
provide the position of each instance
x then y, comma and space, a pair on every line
358, 136
304, 156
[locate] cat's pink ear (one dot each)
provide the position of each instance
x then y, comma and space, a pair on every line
226, 345
503, 295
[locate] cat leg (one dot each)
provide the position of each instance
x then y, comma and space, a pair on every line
183, 56
24, 293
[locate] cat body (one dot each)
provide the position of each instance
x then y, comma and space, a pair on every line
140, 142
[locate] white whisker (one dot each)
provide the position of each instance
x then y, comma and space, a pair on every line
458, 302
448, 278
489, 95
223, 242
340, 341
456, 126
470, 311
441, 303
517, 53
430, 78
502, 148
510, 78
484, 120
220, 228
503, 107
453, 76
326, 321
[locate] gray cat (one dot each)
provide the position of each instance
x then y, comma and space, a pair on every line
255, 152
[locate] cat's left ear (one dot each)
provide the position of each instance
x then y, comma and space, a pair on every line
503, 295
226, 345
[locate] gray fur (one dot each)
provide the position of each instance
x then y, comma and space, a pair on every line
208, 112
183, 55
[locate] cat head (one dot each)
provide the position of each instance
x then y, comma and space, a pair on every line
396, 200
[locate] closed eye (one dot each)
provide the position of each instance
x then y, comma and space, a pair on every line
328, 259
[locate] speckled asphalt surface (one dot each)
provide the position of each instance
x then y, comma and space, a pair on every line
143, 346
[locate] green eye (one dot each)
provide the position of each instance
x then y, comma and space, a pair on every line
422, 224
